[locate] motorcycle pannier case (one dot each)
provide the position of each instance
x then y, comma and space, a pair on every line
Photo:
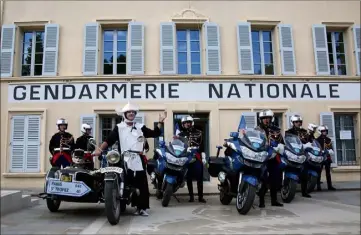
215, 166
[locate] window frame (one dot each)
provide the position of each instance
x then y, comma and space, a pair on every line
189, 51
115, 50
261, 48
33, 52
334, 53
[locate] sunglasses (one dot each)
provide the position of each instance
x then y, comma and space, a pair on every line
298, 121
131, 112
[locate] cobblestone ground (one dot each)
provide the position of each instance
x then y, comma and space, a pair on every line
325, 213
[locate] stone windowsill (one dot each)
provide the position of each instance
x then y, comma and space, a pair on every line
24, 175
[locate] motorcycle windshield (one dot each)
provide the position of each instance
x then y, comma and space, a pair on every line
294, 144
178, 147
316, 148
254, 139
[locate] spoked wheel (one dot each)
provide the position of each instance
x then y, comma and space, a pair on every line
245, 198
112, 203
224, 197
288, 190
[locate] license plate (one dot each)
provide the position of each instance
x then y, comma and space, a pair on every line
111, 169
66, 178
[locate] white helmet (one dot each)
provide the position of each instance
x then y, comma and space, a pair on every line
312, 127
128, 107
85, 127
267, 113
295, 118
322, 128
187, 119
62, 121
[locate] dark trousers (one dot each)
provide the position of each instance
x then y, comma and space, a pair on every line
273, 179
139, 181
327, 165
61, 162
195, 170
304, 179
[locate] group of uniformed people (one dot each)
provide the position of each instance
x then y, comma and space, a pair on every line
62, 144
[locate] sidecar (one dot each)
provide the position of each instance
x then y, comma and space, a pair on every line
72, 184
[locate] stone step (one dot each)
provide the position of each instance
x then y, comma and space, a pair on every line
14, 200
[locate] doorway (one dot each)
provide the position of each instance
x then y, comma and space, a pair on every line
201, 122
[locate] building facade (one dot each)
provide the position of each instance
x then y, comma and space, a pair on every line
214, 60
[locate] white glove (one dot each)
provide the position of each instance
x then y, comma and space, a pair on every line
204, 161
279, 149
331, 152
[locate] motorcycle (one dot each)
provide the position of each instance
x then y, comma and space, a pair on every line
315, 157
239, 172
292, 162
171, 169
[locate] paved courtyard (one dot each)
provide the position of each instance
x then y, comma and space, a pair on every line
325, 213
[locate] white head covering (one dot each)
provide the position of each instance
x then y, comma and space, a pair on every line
128, 107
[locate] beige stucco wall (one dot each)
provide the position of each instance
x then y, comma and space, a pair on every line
224, 116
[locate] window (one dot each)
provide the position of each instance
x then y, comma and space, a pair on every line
25, 143
115, 51
32, 53
262, 52
107, 124
277, 119
336, 50
346, 150
189, 52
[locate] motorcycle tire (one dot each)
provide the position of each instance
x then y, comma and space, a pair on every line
248, 200
223, 196
311, 183
167, 195
112, 204
288, 191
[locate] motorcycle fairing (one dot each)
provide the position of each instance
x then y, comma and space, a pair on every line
291, 176
170, 179
314, 173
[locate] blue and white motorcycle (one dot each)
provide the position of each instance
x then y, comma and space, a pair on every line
170, 171
292, 162
315, 157
240, 171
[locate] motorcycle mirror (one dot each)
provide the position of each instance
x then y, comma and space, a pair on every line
92, 141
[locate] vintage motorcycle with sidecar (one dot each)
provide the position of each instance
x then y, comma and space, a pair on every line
107, 184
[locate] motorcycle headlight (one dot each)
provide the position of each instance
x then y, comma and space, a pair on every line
315, 158
176, 161
113, 157
295, 158
255, 156
221, 176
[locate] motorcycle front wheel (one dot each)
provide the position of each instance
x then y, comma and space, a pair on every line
288, 190
167, 194
112, 203
245, 198
53, 204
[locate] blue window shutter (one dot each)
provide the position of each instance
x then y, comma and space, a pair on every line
327, 119
33, 143
91, 49
136, 45
288, 60
213, 48
51, 50
320, 49
7, 49
245, 52
18, 144
251, 119
168, 61
357, 42
91, 120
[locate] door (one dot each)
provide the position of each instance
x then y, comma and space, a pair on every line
346, 149
201, 122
